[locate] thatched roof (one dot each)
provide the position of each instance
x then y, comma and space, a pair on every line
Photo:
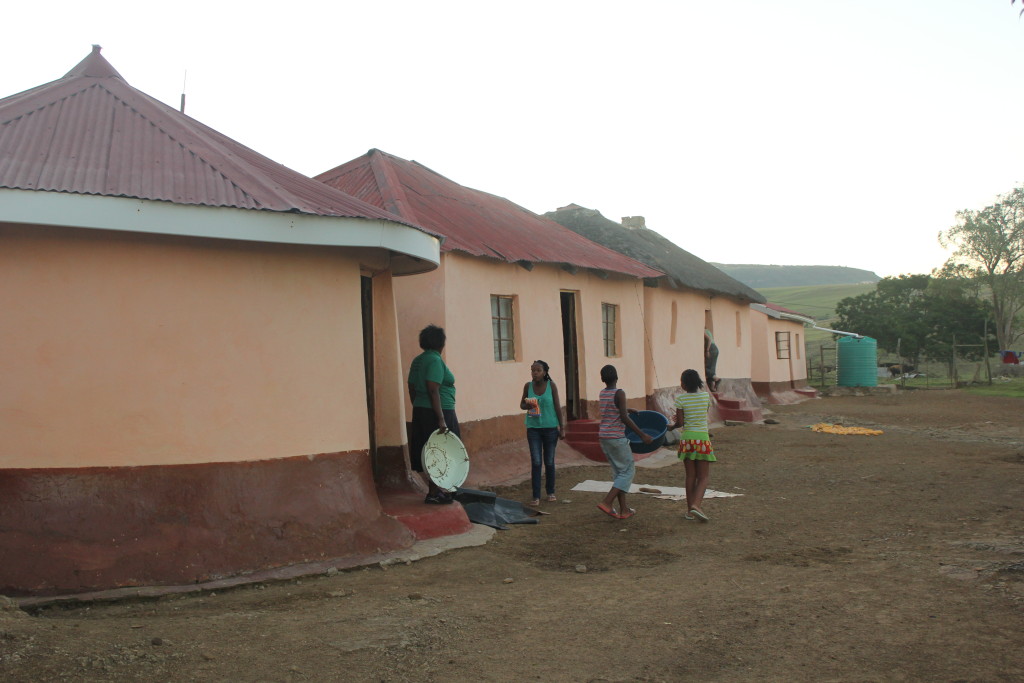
683, 270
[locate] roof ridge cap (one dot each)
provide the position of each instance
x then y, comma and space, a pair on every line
94, 65
391, 191
72, 88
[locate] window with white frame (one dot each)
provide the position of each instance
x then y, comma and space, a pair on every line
503, 327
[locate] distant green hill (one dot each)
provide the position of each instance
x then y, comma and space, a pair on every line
759, 276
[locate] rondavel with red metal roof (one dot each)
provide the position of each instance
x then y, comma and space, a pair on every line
185, 396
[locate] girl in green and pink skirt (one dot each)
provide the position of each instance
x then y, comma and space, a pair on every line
694, 444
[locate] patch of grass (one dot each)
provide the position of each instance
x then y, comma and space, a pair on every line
1012, 389
818, 301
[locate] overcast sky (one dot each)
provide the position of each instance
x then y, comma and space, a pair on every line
814, 132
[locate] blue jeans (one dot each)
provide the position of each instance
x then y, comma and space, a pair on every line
542, 441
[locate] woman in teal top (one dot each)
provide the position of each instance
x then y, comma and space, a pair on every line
544, 427
432, 390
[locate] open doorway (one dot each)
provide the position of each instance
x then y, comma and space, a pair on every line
366, 305
570, 354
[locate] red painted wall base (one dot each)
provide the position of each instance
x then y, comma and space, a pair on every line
78, 530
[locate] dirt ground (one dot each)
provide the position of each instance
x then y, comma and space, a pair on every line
847, 558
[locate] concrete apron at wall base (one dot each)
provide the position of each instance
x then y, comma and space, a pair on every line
508, 464
783, 393
87, 529
477, 535
880, 390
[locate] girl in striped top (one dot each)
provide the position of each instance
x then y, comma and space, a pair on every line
612, 437
695, 444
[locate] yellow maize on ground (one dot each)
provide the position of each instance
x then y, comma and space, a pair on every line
839, 429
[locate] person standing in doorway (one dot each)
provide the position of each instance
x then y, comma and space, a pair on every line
710, 361
432, 391
694, 444
612, 437
544, 427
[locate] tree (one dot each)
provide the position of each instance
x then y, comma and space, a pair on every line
917, 314
990, 248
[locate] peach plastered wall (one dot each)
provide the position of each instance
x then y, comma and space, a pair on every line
760, 369
419, 301
766, 366
675, 335
138, 350
731, 328
457, 296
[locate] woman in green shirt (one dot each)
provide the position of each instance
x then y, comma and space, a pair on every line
432, 390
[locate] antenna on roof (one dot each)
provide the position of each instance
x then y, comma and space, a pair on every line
183, 81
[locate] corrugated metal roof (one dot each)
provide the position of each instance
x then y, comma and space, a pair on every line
683, 269
783, 309
472, 221
92, 133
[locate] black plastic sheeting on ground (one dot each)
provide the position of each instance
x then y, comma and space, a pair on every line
483, 507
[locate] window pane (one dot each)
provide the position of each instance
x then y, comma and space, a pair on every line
782, 345
502, 327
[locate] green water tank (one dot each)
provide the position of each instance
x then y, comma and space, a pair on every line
856, 362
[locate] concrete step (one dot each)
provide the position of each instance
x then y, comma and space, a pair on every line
582, 427
731, 403
425, 521
809, 392
582, 436
740, 414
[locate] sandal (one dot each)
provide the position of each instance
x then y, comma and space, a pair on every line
534, 503
626, 515
700, 515
551, 498
607, 510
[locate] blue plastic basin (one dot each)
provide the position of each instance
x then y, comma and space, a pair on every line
652, 423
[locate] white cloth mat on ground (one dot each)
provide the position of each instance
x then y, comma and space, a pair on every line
665, 492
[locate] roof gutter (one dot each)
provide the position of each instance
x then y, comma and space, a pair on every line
845, 334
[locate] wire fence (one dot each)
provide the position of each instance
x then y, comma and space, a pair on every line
964, 366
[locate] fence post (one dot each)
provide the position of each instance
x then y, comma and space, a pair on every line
988, 365
821, 365
954, 373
